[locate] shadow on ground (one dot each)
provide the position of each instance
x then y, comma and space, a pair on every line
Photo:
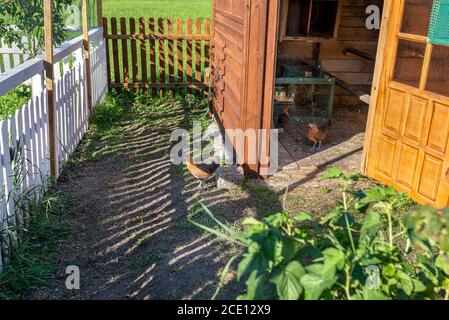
133, 237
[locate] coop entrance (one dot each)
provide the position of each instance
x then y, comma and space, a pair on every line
315, 131
305, 91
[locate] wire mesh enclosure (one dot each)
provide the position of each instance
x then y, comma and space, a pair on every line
439, 24
306, 91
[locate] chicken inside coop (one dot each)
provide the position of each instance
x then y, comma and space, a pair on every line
304, 95
313, 130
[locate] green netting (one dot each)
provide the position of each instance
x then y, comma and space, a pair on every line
439, 24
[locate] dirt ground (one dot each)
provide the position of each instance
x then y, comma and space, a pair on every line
133, 238
300, 162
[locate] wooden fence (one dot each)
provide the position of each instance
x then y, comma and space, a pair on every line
164, 56
24, 137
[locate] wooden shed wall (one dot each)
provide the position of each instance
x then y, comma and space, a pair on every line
352, 33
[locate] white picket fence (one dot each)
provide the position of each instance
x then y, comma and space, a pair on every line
11, 55
24, 152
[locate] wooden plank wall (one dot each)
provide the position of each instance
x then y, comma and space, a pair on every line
352, 33
165, 56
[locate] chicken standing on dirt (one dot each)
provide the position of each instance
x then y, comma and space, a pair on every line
318, 135
202, 172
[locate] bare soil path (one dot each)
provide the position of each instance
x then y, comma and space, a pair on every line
133, 238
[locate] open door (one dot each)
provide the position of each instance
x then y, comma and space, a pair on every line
407, 143
239, 41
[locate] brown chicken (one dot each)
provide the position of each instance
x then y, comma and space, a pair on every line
317, 134
284, 118
202, 172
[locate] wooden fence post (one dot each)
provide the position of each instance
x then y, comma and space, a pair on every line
100, 13
49, 81
87, 56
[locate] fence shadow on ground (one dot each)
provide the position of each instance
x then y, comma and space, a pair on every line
134, 238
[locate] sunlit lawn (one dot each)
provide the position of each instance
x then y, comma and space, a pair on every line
157, 8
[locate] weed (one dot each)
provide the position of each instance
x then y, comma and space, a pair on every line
32, 263
353, 253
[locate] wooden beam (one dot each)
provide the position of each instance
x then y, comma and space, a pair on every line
426, 67
86, 43
360, 54
100, 13
364, 97
269, 85
49, 82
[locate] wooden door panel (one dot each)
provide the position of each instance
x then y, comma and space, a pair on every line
416, 119
407, 165
385, 160
430, 177
439, 129
394, 111
408, 136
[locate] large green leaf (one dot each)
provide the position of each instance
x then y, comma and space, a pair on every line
333, 258
255, 287
317, 280
303, 217
332, 173
371, 223
370, 295
272, 248
288, 281
276, 220
442, 262
254, 260
405, 282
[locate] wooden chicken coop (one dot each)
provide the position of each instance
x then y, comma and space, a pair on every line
261, 46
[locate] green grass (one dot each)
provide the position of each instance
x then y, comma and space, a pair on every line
107, 135
32, 264
157, 8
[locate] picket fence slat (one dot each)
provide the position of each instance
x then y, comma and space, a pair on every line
143, 51
173, 54
3, 209
25, 135
11, 55
189, 54
7, 171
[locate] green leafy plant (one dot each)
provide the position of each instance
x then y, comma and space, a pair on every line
25, 18
362, 250
14, 100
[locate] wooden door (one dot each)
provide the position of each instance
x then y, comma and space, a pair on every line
407, 138
239, 51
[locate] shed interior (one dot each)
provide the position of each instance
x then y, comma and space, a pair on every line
324, 70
